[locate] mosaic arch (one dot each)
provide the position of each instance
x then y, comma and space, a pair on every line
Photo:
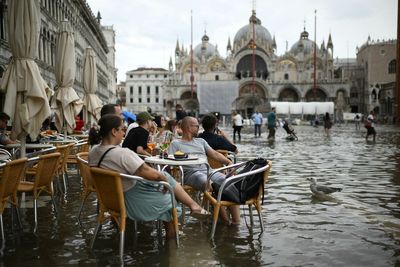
289, 94
245, 66
319, 95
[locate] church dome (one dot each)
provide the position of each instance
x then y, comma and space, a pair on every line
246, 32
304, 44
205, 48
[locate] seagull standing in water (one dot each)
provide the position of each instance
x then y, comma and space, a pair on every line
321, 190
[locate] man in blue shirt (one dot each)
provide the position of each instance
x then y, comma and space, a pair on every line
271, 124
257, 118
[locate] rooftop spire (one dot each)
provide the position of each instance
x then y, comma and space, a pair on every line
229, 47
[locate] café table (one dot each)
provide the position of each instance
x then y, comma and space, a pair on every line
36, 146
163, 162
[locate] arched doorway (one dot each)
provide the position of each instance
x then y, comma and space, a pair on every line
251, 98
190, 104
288, 94
316, 95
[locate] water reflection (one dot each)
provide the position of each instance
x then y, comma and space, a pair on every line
358, 226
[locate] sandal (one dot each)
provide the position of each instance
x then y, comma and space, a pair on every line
201, 214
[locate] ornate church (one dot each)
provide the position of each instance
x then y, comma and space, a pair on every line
252, 74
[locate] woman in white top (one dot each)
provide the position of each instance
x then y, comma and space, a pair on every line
237, 121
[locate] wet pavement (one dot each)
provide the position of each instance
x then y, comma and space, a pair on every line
359, 226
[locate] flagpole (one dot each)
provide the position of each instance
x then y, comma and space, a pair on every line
191, 54
315, 56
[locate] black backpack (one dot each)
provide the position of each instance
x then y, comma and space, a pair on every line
245, 189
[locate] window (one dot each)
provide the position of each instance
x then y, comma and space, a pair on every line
165, 75
156, 76
156, 89
286, 77
157, 100
148, 100
140, 89
131, 90
131, 76
217, 77
148, 89
140, 100
131, 100
392, 66
147, 75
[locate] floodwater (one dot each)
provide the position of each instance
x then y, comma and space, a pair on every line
359, 226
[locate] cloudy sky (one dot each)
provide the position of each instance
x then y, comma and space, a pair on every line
147, 30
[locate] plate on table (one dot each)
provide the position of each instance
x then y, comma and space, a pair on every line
182, 158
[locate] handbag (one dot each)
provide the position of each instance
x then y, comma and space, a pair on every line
367, 124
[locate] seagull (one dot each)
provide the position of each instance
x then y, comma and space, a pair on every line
321, 190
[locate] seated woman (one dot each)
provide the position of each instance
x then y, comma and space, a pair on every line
143, 201
168, 133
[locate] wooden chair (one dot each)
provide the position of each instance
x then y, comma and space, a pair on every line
74, 150
46, 170
111, 197
215, 164
256, 200
64, 151
11, 175
87, 183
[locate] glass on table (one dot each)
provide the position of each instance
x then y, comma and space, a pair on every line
151, 143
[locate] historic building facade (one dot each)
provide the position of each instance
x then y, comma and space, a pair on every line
144, 90
376, 85
88, 32
287, 77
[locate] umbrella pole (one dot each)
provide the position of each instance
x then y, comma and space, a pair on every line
23, 145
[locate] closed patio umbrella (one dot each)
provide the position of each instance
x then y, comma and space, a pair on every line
27, 93
66, 102
91, 101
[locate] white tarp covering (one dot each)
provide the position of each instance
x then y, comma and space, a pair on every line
217, 96
303, 107
296, 108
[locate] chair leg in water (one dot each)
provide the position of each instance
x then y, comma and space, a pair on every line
3, 240
96, 231
18, 217
215, 219
258, 207
121, 245
251, 215
81, 207
35, 208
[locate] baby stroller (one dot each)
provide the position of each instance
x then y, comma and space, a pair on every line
290, 131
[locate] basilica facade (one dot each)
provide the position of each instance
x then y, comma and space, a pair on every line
252, 74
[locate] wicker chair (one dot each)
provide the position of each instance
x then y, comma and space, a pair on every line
111, 197
215, 164
46, 170
64, 150
77, 148
87, 183
256, 200
11, 175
